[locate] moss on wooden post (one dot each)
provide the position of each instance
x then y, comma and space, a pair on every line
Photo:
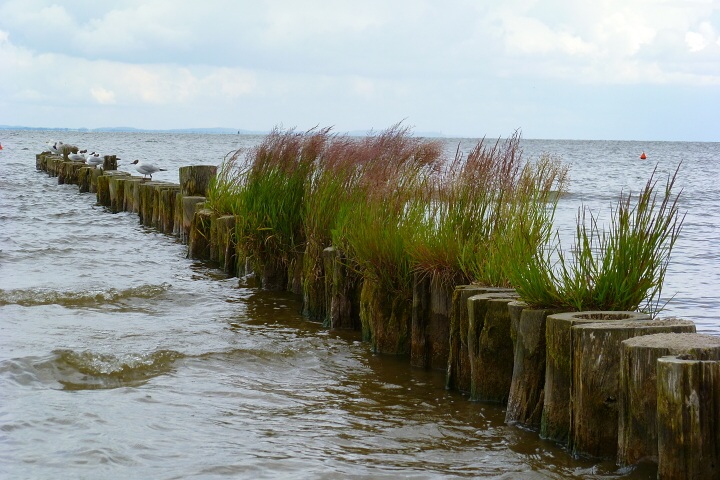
637, 415
103, 190
688, 413
85, 179
116, 186
385, 318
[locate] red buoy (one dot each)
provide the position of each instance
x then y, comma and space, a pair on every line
643, 156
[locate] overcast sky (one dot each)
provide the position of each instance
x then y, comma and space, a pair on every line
561, 69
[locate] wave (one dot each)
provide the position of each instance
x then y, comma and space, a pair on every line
82, 298
90, 370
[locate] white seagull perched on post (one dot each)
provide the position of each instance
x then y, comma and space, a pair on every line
94, 159
146, 168
78, 157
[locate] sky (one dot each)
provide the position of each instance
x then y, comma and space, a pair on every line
555, 69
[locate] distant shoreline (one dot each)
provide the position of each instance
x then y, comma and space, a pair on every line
216, 131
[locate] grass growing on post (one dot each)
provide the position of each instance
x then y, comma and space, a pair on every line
224, 189
370, 225
265, 191
621, 269
459, 229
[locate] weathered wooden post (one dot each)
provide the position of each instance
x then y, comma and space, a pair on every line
344, 293
490, 346
84, 179
103, 190
458, 369
41, 162
595, 387
109, 163
53, 163
688, 407
95, 173
147, 202
195, 179
157, 202
385, 319
430, 337
637, 415
314, 282
131, 202
166, 208
116, 185
527, 389
556, 415
188, 207
222, 242
199, 239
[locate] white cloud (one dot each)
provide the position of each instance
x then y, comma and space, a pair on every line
103, 96
376, 59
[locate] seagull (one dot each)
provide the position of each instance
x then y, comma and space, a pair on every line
146, 168
57, 148
94, 159
78, 157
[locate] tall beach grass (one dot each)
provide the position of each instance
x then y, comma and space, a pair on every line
619, 268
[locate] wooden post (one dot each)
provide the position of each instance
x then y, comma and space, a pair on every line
458, 368
430, 331
314, 282
555, 422
116, 185
346, 286
109, 163
166, 208
222, 241
527, 390
131, 202
688, 418
188, 213
490, 346
84, 179
595, 387
386, 319
194, 179
637, 416
199, 239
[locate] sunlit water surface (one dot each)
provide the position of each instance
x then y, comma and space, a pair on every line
120, 358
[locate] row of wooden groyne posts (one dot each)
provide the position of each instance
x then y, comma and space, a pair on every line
604, 384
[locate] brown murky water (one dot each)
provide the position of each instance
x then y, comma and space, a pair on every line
120, 358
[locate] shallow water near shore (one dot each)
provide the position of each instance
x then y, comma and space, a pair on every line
121, 358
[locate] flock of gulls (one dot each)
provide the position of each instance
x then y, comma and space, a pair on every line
95, 159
